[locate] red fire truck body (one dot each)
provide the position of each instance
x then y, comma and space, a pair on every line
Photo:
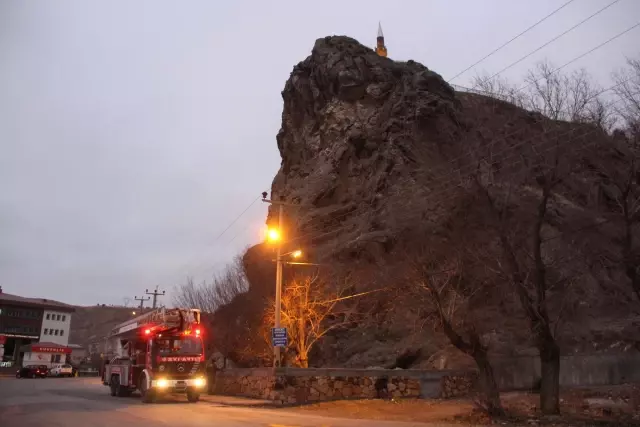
157, 353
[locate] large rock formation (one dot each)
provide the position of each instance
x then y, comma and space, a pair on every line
382, 156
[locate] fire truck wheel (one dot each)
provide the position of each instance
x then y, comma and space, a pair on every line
113, 385
122, 391
193, 396
148, 396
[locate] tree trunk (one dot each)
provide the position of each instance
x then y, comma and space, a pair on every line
488, 384
303, 358
475, 349
550, 378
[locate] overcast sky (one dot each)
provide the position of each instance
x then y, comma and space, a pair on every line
133, 132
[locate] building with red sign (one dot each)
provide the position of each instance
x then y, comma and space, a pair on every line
26, 321
44, 353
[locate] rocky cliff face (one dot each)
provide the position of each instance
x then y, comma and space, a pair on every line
381, 157
350, 126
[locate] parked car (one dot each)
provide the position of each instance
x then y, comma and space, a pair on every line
61, 371
33, 371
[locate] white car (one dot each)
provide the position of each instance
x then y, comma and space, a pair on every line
61, 371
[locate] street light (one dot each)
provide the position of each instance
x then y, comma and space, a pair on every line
273, 234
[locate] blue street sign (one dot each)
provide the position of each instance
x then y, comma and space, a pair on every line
279, 337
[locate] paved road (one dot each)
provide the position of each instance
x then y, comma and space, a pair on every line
82, 402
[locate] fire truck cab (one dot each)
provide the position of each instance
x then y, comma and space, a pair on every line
160, 352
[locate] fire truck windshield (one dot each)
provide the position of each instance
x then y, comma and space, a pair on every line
179, 345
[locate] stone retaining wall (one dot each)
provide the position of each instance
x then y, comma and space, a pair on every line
294, 386
458, 385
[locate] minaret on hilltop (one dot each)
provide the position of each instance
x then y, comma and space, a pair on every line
381, 49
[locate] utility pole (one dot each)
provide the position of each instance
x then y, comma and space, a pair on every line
155, 294
276, 349
276, 352
279, 264
142, 300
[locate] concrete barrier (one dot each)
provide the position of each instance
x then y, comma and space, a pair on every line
523, 373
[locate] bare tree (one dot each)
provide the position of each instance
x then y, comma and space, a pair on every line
310, 312
573, 97
628, 90
525, 266
443, 290
240, 332
620, 188
221, 290
126, 301
196, 296
231, 282
500, 88
626, 181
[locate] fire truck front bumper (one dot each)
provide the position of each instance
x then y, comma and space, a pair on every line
170, 385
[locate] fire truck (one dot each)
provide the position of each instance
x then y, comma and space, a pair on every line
160, 352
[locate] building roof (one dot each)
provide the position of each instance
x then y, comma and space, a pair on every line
37, 302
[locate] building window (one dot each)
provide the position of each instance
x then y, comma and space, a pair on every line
61, 332
48, 316
64, 317
46, 331
58, 317
55, 332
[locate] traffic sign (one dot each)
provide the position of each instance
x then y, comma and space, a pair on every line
279, 337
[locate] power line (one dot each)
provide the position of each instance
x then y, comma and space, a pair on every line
182, 267
510, 41
236, 219
583, 55
551, 41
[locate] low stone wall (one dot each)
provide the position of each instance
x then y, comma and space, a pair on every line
295, 386
458, 385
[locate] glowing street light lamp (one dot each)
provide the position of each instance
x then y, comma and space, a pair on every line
273, 235
296, 254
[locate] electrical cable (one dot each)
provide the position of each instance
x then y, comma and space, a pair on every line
181, 268
510, 41
583, 55
550, 41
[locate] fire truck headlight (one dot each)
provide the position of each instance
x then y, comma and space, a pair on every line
199, 382
162, 383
